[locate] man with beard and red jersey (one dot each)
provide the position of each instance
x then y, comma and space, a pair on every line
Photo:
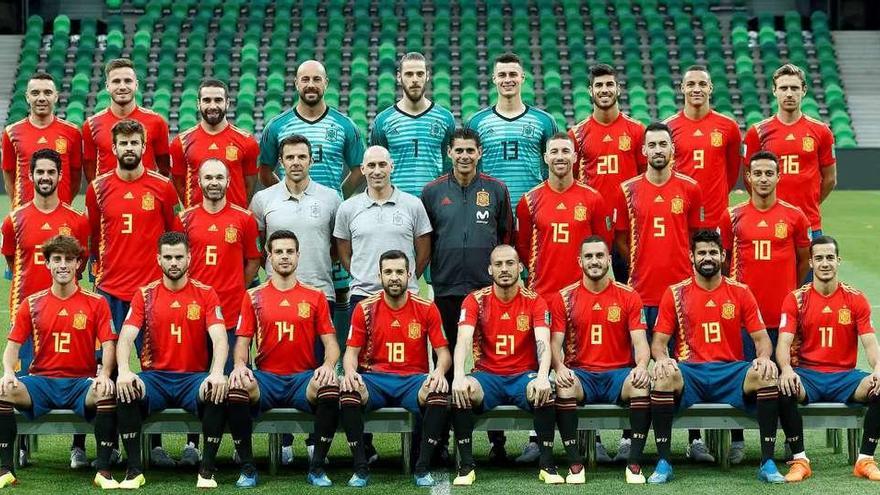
289, 372
416, 131
600, 354
707, 143
386, 365
98, 155
23, 233
804, 145
41, 129
182, 359
506, 327
214, 138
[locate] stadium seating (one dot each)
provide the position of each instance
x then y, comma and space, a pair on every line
257, 45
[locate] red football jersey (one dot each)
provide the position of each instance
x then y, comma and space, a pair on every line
608, 154
659, 220
597, 326
64, 332
826, 328
707, 150
707, 324
395, 341
220, 242
504, 333
287, 325
126, 220
550, 228
762, 249
22, 139
24, 232
175, 325
235, 147
803, 149
98, 139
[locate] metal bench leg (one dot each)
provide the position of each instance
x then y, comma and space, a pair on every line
591, 448
145, 450
829, 439
853, 438
15, 447
33, 443
582, 442
406, 439
838, 441
274, 452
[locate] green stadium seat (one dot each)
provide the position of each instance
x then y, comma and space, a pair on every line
61, 26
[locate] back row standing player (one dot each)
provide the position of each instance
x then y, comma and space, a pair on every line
416, 131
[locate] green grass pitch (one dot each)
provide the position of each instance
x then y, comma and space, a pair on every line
851, 216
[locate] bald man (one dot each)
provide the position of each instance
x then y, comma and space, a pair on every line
377, 220
337, 146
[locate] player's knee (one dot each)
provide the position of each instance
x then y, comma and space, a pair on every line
350, 399
566, 392
436, 399
237, 396
667, 383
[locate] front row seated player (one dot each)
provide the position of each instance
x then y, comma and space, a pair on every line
178, 316
286, 318
386, 365
706, 312
600, 354
507, 328
817, 354
64, 321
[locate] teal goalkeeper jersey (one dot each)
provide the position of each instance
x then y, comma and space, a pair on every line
336, 144
417, 144
513, 149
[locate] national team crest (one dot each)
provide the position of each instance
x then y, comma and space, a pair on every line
528, 130
64, 230
193, 311
614, 313
231, 234
303, 310
580, 213
436, 130
781, 230
414, 330
231, 153
79, 321
522, 323
716, 139
677, 205
728, 310
482, 199
148, 202
844, 316
61, 146
331, 134
809, 144
624, 143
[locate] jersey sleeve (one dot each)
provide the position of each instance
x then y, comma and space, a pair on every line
725, 228
178, 161
802, 234
862, 313
172, 221
22, 327
435, 327
697, 214
353, 154
135, 316
620, 211
788, 319
377, 133
601, 221
751, 145
342, 229
213, 310
269, 147
160, 137
257, 209
557, 313
81, 231
470, 311
422, 223
9, 158
505, 221
323, 323
104, 322
635, 312
826, 148
75, 157
94, 216
249, 165
247, 319
357, 334
751, 315
251, 238
523, 230
540, 313
89, 148
667, 322
734, 146
638, 143
7, 246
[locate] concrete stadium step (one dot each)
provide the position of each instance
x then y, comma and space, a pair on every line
10, 46
858, 56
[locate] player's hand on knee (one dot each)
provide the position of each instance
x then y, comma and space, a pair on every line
789, 383
325, 375
436, 382
8, 383
665, 368
104, 386
127, 385
352, 382
541, 391
639, 377
564, 377
461, 392
241, 377
766, 368
215, 388
875, 384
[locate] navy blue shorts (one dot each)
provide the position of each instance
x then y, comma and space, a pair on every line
48, 393
714, 382
390, 390
602, 387
164, 389
822, 386
504, 390
283, 390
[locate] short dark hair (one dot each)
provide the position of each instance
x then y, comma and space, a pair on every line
507, 58
658, 126
118, 63
42, 76
209, 82
411, 57
281, 234
764, 155
590, 239
128, 127
706, 235
292, 140
561, 135
465, 133
173, 238
696, 68
46, 154
824, 239
600, 70
393, 254
790, 70
63, 244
